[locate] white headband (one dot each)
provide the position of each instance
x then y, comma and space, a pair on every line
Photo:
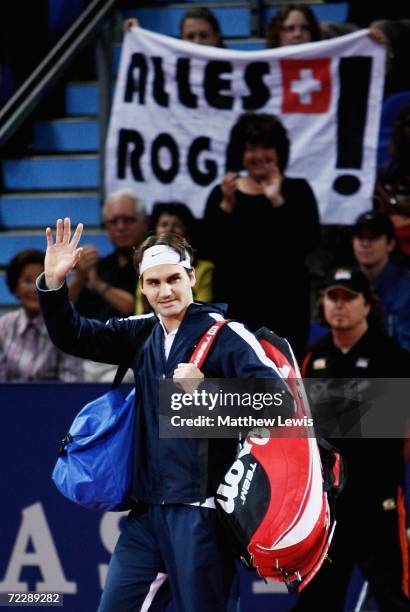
162, 254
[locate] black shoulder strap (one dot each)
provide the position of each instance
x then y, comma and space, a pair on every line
143, 334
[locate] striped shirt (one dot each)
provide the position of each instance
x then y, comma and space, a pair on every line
27, 353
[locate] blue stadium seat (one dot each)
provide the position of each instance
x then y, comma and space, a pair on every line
247, 44
69, 135
40, 173
116, 55
20, 210
331, 12
82, 99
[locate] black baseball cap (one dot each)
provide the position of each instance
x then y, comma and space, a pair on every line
351, 279
375, 222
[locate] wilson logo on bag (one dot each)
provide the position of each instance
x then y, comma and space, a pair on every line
277, 498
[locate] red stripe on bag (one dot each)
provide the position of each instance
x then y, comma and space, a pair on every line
200, 353
337, 471
404, 545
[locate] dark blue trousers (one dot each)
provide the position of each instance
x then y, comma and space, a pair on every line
171, 552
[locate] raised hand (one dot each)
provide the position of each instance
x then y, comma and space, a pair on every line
63, 254
127, 24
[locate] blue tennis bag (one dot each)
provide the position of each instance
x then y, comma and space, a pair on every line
94, 467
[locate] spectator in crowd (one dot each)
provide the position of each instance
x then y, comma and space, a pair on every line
392, 192
371, 514
176, 218
373, 243
389, 24
198, 25
104, 287
272, 222
292, 24
26, 351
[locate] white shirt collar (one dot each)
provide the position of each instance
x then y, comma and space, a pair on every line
168, 338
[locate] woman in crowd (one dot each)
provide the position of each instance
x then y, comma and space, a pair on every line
177, 218
26, 351
199, 25
260, 226
292, 24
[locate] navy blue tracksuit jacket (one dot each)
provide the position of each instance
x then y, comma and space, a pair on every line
166, 470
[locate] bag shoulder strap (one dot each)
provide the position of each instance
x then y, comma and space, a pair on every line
198, 358
204, 345
143, 334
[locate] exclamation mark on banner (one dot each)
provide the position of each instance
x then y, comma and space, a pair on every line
354, 78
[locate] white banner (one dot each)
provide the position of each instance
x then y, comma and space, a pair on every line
175, 103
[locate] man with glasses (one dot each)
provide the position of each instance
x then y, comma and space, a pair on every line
104, 287
373, 244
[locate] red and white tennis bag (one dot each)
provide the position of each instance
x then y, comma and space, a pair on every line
277, 499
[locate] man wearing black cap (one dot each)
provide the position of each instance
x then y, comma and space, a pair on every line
373, 242
352, 311
371, 527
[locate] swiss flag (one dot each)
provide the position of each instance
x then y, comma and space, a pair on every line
306, 85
